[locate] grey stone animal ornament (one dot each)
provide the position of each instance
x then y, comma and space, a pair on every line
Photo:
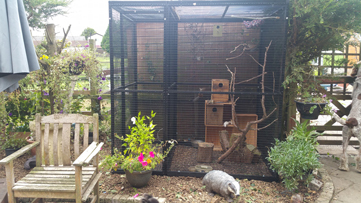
220, 182
352, 125
147, 198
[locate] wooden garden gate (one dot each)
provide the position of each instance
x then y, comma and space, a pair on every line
334, 73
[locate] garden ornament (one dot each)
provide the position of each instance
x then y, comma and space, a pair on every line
220, 182
147, 198
352, 125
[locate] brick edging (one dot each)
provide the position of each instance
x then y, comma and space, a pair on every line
327, 189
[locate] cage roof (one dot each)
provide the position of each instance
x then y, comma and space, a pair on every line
198, 10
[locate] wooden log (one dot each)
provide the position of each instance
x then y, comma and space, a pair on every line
256, 155
246, 154
223, 138
205, 152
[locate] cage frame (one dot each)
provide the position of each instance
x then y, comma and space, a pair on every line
170, 25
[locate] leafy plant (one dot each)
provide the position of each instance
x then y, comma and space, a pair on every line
140, 152
11, 142
294, 158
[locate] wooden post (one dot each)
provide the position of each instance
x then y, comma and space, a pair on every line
9, 170
92, 45
223, 139
93, 101
205, 152
51, 50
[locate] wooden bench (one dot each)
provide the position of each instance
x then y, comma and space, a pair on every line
55, 174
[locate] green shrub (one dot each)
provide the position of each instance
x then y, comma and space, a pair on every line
296, 157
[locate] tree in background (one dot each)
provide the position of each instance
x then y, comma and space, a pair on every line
315, 26
88, 32
105, 41
39, 11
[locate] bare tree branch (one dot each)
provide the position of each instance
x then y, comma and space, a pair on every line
60, 49
250, 79
268, 124
245, 130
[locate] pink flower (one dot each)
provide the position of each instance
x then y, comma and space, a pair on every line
136, 195
87, 45
141, 157
116, 164
151, 154
323, 96
144, 163
330, 100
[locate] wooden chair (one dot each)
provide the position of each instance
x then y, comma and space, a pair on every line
55, 175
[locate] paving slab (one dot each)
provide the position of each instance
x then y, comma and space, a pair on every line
3, 191
347, 183
335, 150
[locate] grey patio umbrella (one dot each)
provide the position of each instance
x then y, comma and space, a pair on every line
17, 52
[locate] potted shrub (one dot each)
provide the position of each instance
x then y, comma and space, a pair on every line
10, 143
140, 155
309, 99
296, 157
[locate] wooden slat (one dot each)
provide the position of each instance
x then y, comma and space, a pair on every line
45, 194
18, 153
56, 144
45, 181
336, 142
46, 144
53, 176
76, 140
44, 188
323, 128
66, 144
332, 135
60, 172
78, 184
9, 171
95, 152
59, 184
41, 179
91, 186
95, 127
80, 160
86, 135
62, 168
38, 138
67, 118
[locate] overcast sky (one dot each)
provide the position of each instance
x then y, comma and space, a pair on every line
82, 14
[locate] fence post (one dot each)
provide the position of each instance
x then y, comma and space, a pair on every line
94, 102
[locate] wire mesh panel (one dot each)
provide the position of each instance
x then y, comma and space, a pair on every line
178, 59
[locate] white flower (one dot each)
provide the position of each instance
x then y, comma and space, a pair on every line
133, 119
151, 126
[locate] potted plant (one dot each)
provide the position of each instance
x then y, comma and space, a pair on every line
309, 99
141, 155
296, 157
10, 143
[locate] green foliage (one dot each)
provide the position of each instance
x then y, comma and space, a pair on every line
39, 11
142, 136
88, 32
315, 26
11, 142
141, 153
294, 158
105, 41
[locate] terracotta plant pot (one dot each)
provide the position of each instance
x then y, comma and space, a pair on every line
33, 150
138, 178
